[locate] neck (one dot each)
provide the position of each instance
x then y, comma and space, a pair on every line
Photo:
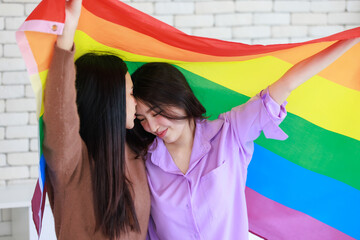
187, 138
180, 150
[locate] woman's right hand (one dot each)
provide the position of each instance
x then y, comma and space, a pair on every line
72, 11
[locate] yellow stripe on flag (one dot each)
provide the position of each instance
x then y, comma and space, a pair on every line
312, 101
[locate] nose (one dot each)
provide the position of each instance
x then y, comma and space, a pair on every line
135, 101
153, 126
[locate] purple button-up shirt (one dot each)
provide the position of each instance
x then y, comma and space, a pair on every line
208, 202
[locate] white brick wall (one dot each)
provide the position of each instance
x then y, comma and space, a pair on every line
9, 173
15, 78
253, 6
14, 145
20, 105
11, 64
11, 9
2, 23
214, 7
224, 32
2, 133
12, 91
271, 18
5, 228
2, 106
14, 22
10, 119
353, 6
34, 145
289, 31
230, 20
166, 8
309, 19
343, 18
328, 6
247, 21
19, 159
319, 31
252, 32
6, 215
11, 50
194, 20
291, 6
19, 132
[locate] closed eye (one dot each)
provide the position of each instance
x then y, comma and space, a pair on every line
139, 117
157, 113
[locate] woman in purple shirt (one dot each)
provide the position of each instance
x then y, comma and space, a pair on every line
197, 168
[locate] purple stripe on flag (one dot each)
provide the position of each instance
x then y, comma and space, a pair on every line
267, 219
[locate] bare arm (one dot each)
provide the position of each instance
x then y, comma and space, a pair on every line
307, 68
73, 10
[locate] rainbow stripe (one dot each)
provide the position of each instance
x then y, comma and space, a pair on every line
306, 187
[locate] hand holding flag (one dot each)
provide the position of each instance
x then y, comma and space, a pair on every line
72, 11
307, 68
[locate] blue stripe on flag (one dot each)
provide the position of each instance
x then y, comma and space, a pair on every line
42, 166
323, 198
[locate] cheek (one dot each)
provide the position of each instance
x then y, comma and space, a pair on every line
145, 125
163, 121
179, 125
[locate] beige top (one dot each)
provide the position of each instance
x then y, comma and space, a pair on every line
68, 170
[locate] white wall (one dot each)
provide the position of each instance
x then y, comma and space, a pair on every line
253, 22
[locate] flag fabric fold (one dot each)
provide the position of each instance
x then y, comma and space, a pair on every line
306, 187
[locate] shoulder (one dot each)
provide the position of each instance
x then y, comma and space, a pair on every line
209, 129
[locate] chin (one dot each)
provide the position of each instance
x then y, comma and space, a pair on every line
168, 140
130, 126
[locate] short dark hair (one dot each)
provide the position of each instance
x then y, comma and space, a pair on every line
101, 101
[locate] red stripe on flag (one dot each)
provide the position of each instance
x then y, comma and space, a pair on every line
130, 17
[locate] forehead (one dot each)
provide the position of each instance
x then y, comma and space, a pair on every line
142, 108
128, 80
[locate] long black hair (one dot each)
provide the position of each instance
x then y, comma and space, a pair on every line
101, 102
160, 86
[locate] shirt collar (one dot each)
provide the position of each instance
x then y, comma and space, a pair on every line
205, 131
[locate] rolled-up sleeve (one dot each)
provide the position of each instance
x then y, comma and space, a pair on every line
260, 113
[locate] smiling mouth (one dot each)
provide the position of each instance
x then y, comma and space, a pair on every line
161, 134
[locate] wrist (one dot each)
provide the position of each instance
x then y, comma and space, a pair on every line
65, 43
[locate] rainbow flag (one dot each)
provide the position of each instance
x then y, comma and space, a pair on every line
307, 187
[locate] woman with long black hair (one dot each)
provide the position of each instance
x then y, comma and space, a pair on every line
97, 189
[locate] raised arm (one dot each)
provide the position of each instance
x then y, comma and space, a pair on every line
307, 68
73, 10
62, 144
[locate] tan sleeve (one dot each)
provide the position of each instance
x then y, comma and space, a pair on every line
62, 145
